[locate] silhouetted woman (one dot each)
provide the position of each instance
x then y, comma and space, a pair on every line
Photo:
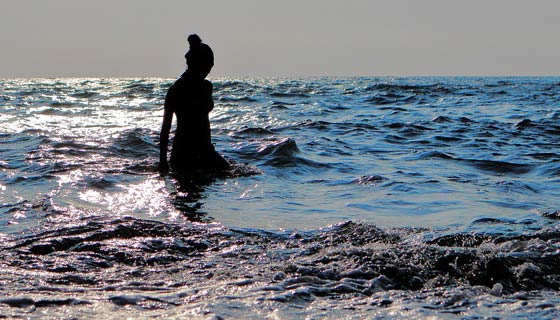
190, 99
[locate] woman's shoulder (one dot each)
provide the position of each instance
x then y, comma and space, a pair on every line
207, 84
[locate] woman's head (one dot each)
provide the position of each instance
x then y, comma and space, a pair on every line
200, 58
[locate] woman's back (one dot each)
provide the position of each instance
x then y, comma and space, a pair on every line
191, 101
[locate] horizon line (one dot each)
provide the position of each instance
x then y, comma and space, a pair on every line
289, 76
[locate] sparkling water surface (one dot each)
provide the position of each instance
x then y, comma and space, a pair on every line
427, 159
393, 152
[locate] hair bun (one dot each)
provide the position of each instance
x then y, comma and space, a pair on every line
194, 39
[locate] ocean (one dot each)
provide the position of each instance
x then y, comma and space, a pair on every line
351, 198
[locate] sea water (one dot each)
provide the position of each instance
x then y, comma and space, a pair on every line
357, 198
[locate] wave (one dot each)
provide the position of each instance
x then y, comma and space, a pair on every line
369, 180
444, 119
448, 139
344, 261
140, 86
552, 129
289, 94
235, 86
486, 165
241, 98
136, 143
84, 94
550, 169
253, 132
433, 154
283, 154
283, 148
417, 89
500, 166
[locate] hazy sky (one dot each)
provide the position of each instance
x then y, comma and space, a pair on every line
56, 38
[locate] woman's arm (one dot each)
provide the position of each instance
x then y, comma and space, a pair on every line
164, 137
209, 88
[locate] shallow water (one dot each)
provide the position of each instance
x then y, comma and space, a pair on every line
452, 186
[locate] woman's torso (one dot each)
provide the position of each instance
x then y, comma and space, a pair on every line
192, 103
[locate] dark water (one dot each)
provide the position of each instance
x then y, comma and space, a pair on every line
353, 198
